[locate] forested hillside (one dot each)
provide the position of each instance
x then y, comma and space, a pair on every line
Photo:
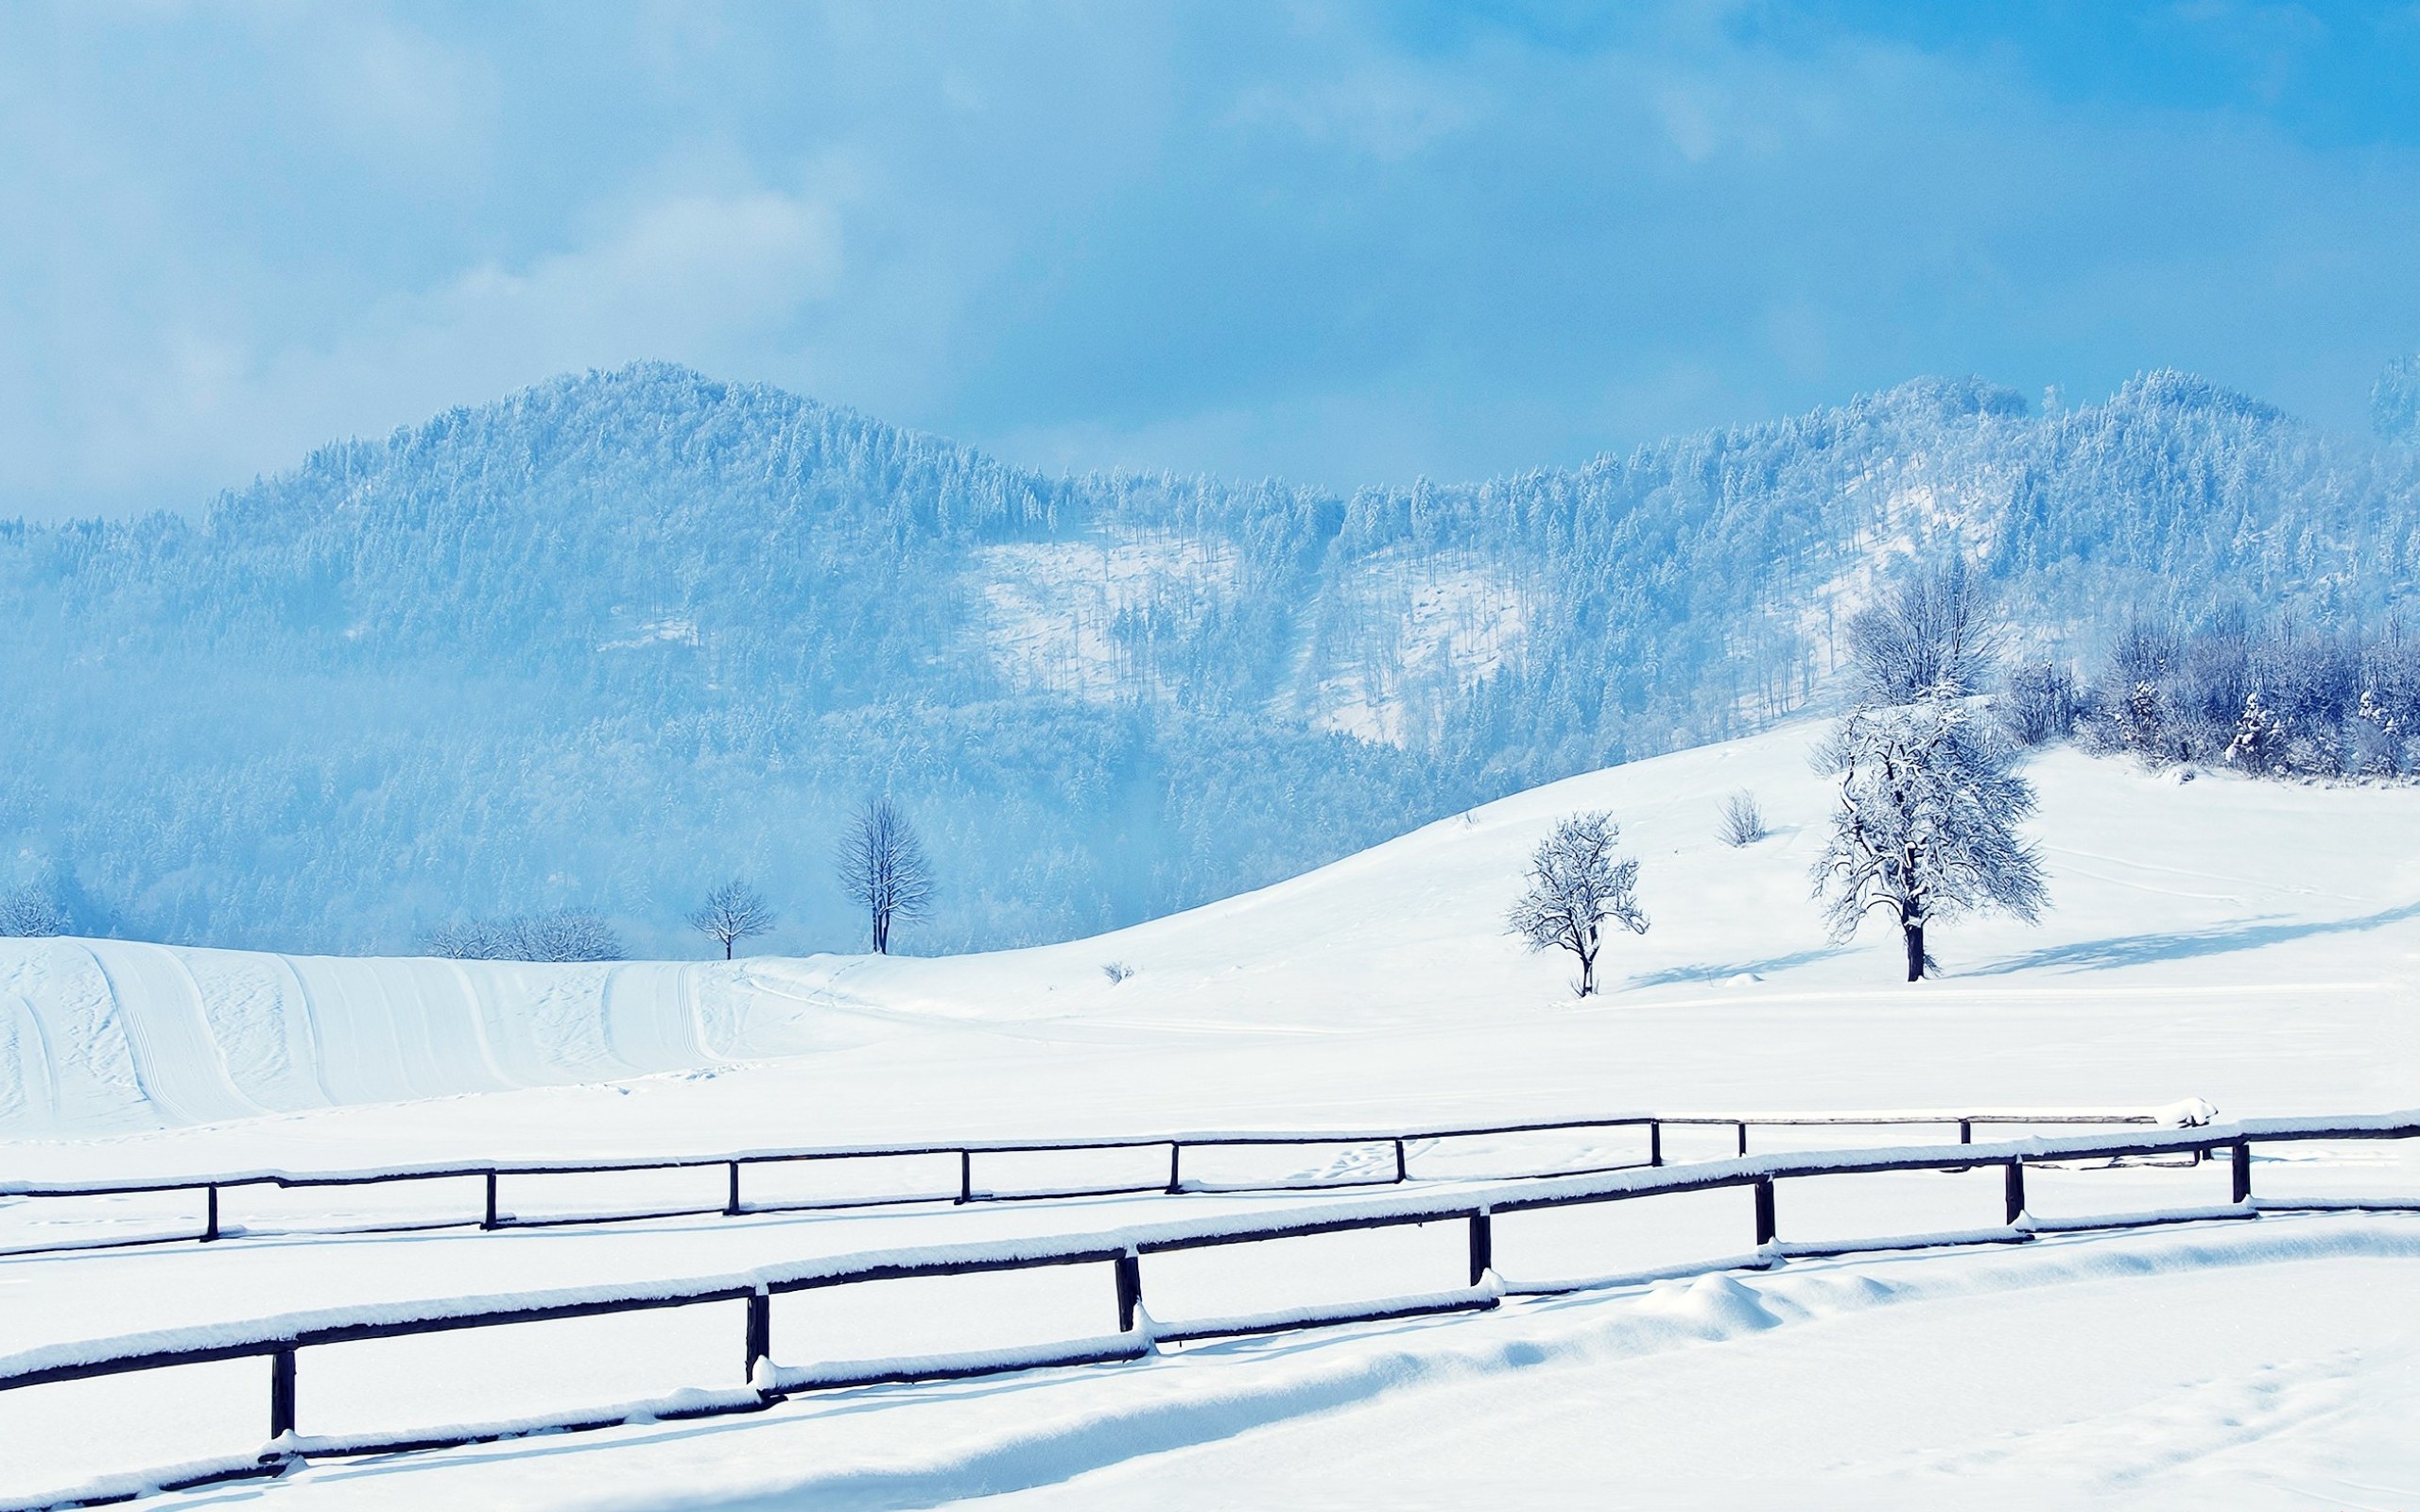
617, 638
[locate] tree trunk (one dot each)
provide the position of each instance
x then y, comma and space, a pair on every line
726, 950
1915, 932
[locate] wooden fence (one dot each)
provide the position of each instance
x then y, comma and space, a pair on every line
281, 1341
492, 1211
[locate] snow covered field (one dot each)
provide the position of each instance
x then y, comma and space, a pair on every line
2249, 944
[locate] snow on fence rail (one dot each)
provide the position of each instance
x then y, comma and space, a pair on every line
280, 1340
1399, 1143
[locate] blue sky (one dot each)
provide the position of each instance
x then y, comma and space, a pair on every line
1338, 243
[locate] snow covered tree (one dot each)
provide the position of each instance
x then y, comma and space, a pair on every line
1928, 630
2395, 402
1926, 823
732, 913
1576, 889
883, 869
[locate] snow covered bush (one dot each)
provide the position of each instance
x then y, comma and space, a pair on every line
1576, 889
32, 913
565, 934
2037, 702
1743, 822
1926, 823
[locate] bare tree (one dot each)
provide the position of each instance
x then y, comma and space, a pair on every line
1576, 887
1928, 633
1926, 823
883, 868
732, 913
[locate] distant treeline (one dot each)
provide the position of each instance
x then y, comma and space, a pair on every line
2286, 696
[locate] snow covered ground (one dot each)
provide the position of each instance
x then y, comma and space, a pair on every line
2251, 944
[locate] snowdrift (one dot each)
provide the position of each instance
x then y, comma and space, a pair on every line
99, 1035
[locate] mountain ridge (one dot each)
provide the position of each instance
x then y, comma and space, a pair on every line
621, 634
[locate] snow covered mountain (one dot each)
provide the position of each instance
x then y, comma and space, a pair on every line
613, 639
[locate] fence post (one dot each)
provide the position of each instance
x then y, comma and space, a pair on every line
1965, 1131
760, 1331
2015, 1190
1655, 1141
1482, 1246
1765, 1225
1401, 1174
210, 1223
281, 1391
1130, 1290
965, 1176
1743, 1136
490, 1220
1176, 1155
2242, 1171
731, 1201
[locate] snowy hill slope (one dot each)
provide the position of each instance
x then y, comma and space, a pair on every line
2253, 943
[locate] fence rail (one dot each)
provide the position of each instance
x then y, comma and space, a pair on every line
491, 1213
280, 1340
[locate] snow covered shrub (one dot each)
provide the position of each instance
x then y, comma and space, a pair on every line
466, 940
2130, 712
1926, 823
2257, 738
2372, 747
32, 913
2315, 753
1743, 822
2037, 702
1116, 972
566, 934
2142, 722
1576, 887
